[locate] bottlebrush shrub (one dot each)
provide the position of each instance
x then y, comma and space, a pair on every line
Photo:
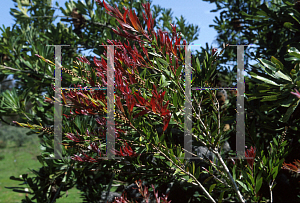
149, 93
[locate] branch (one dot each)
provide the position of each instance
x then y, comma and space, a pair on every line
6, 81
241, 198
217, 178
109, 187
24, 71
10, 124
189, 174
271, 193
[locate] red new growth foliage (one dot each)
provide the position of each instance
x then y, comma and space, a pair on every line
145, 194
72, 137
149, 20
250, 153
294, 168
296, 93
214, 50
84, 60
156, 106
95, 148
127, 151
86, 158
127, 60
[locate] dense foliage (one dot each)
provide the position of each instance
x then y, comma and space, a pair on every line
150, 100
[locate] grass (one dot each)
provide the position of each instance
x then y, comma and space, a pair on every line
18, 153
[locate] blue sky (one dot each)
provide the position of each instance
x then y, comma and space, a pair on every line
196, 12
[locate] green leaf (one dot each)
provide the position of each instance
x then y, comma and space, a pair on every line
175, 99
279, 74
251, 178
155, 54
193, 79
273, 68
193, 166
211, 188
243, 185
197, 173
233, 172
251, 17
275, 172
279, 65
156, 139
168, 58
41, 160
221, 197
161, 138
178, 71
294, 53
169, 163
198, 65
264, 159
78, 122
207, 179
162, 80
177, 171
250, 186
295, 50
259, 175
264, 79
273, 186
144, 130
65, 178
275, 141
258, 185
281, 161
290, 25
174, 61
262, 13
204, 65
158, 156
163, 61
206, 55
268, 64
190, 180
292, 59
270, 98
289, 112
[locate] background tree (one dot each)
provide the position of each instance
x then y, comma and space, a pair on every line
274, 27
5, 84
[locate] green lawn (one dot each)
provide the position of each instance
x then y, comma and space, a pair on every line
16, 160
